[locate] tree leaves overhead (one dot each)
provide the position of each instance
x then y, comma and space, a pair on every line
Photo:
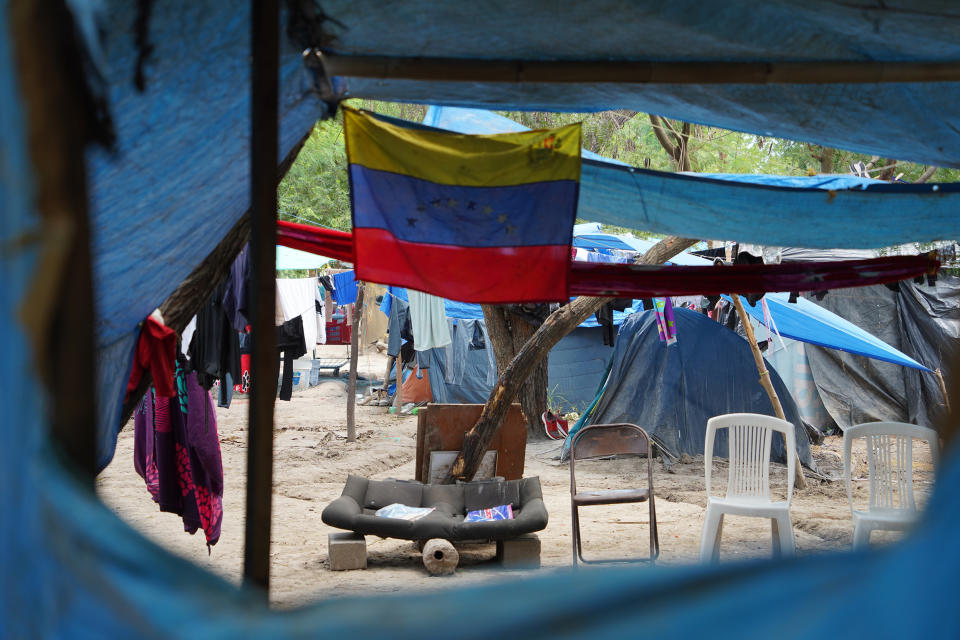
316, 189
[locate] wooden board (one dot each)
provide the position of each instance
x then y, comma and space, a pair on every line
440, 427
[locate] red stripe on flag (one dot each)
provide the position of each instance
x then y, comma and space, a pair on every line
496, 274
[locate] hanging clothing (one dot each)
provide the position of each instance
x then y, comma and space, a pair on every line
666, 326
187, 336
177, 453
399, 327
604, 317
236, 298
296, 297
290, 345
321, 319
428, 318
156, 351
344, 288
215, 347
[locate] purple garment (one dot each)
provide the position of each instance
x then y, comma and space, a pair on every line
666, 325
236, 296
178, 455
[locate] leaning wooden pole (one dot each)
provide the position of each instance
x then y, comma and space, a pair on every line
799, 481
265, 46
354, 358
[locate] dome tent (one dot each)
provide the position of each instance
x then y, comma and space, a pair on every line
672, 391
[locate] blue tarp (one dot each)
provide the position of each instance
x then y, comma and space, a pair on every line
805, 321
179, 177
831, 211
908, 121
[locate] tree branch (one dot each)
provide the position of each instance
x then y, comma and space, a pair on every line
926, 175
662, 136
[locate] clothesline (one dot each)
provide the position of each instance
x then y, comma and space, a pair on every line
646, 281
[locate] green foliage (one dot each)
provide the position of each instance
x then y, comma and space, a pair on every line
316, 188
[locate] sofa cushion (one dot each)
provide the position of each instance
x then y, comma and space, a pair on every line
484, 494
381, 493
446, 498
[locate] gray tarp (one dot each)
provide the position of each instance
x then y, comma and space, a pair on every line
925, 325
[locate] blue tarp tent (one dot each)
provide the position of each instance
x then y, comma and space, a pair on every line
671, 391
178, 182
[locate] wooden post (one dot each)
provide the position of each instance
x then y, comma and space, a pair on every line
398, 396
265, 46
354, 357
799, 481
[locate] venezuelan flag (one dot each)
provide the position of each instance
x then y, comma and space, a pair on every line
484, 219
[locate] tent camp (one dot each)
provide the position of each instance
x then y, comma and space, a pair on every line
671, 391
575, 367
116, 230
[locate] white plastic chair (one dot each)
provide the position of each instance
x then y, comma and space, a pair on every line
748, 486
890, 470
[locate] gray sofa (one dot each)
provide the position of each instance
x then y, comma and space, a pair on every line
354, 509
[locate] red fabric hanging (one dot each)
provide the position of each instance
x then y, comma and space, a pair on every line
326, 242
156, 351
642, 281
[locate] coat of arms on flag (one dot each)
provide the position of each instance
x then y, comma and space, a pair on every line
485, 218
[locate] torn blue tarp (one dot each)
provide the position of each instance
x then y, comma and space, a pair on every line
803, 320
912, 121
828, 211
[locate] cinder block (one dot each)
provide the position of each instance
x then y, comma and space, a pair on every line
347, 551
522, 552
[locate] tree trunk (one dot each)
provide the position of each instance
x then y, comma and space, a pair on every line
558, 324
508, 333
354, 358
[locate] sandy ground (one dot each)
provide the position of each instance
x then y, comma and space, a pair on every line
313, 458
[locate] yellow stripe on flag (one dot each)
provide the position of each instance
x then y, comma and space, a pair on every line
499, 160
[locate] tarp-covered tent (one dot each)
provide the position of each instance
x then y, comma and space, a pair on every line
919, 319
178, 182
671, 391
